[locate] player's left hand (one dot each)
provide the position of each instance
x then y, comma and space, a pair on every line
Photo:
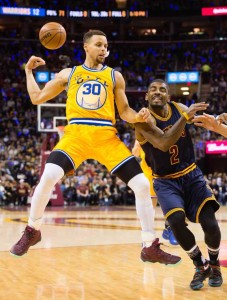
194, 108
142, 115
222, 118
206, 121
34, 62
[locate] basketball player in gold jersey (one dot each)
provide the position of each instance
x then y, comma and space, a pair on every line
138, 152
92, 91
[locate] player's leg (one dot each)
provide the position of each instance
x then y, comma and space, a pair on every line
56, 166
186, 240
201, 206
175, 210
212, 234
167, 233
131, 173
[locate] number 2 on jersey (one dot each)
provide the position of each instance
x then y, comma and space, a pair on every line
174, 152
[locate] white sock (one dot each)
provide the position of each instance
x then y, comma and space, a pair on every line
144, 207
51, 175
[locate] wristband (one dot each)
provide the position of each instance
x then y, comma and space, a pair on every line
185, 115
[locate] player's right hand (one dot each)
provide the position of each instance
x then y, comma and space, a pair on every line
34, 62
142, 115
222, 118
192, 109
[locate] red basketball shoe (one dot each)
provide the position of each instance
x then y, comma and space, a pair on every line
29, 238
155, 254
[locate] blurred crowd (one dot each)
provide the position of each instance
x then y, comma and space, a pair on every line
94, 185
20, 142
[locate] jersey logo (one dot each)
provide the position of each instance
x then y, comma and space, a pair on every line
91, 95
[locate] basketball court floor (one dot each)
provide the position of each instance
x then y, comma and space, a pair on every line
94, 254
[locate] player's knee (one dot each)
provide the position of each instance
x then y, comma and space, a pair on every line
208, 220
52, 174
140, 185
177, 219
211, 226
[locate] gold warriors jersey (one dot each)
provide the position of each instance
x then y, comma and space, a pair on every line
147, 172
90, 96
146, 169
90, 112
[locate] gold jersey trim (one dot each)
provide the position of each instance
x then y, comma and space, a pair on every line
212, 198
161, 118
173, 211
178, 174
143, 142
181, 111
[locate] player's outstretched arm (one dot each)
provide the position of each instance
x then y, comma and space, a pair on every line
51, 89
125, 111
211, 123
164, 140
222, 118
158, 138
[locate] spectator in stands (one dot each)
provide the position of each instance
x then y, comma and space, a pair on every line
104, 194
69, 194
82, 191
22, 192
215, 188
2, 193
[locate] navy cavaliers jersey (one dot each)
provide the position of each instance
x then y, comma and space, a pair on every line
180, 158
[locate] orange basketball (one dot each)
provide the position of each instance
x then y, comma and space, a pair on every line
52, 35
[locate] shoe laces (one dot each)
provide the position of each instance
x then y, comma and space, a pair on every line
27, 234
156, 245
157, 248
198, 272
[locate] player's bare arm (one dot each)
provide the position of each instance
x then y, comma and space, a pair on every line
52, 88
164, 140
125, 111
158, 138
211, 123
222, 118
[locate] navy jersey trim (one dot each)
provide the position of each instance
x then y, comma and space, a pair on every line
94, 70
63, 152
121, 163
70, 76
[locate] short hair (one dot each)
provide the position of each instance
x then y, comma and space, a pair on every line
159, 80
90, 34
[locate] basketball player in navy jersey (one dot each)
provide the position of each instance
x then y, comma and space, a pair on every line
179, 184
